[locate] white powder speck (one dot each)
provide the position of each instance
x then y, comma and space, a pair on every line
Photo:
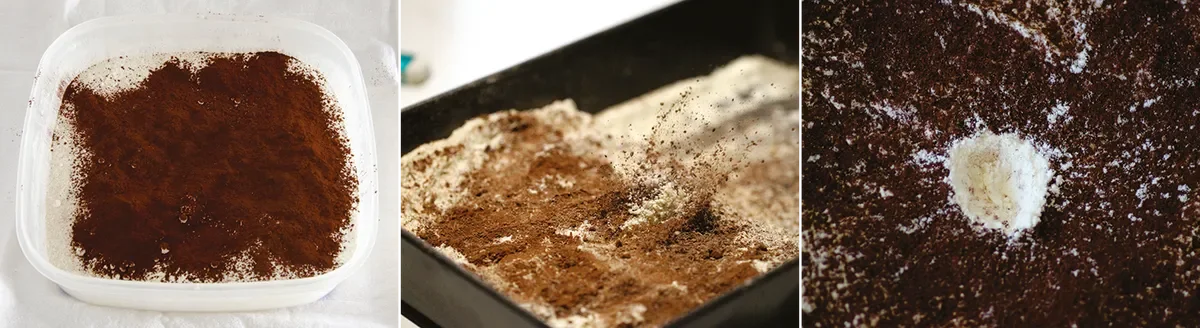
1057, 111
1080, 61
924, 157
676, 285
762, 266
636, 311
1141, 193
832, 100
583, 231
894, 112
1149, 102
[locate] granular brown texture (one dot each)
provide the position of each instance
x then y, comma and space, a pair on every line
1107, 90
544, 263
546, 216
235, 170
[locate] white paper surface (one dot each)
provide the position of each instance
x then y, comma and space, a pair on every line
367, 299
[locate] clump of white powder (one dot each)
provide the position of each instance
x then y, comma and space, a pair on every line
999, 181
667, 203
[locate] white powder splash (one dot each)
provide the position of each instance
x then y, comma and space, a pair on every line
999, 181
667, 203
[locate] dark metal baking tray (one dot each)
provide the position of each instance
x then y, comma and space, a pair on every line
687, 39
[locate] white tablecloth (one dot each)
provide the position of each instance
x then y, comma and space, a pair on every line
369, 298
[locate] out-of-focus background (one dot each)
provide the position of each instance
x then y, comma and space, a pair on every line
464, 40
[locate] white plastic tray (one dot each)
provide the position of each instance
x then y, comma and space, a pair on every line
96, 40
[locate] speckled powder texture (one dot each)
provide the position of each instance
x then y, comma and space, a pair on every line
108, 78
636, 255
1105, 90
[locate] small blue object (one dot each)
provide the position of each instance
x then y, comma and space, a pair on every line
412, 69
405, 59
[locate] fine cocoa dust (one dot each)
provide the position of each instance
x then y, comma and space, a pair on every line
515, 222
584, 225
1106, 90
591, 223
233, 171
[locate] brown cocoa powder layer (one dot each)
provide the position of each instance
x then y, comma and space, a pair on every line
889, 84
237, 168
562, 244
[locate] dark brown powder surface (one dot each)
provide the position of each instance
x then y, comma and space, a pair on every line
234, 171
547, 229
1107, 90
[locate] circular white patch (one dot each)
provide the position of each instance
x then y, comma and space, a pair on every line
999, 181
